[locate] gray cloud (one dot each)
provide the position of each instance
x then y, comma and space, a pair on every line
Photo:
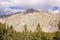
29, 3
36, 4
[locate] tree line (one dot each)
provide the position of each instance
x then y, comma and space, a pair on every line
7, 33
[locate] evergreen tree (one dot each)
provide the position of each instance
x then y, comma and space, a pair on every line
25, 33
57, 34
25, 28
38, 28
2, 31
9, 32
59, 25
38, 32
43, 37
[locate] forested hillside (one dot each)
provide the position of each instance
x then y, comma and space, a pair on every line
7, 33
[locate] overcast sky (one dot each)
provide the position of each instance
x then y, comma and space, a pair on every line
19, 5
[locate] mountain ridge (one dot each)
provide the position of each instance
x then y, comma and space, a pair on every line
27, 11
48, 21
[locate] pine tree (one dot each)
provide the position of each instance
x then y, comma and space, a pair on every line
25, 28
25, 33
57, 34
38, 28
38, 32
43, 37
3, 31
59, 25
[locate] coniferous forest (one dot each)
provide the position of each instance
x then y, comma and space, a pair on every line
7, 33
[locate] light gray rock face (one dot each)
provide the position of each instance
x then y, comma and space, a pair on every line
48, 21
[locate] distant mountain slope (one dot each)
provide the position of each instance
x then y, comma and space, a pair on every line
3, 16
48, 21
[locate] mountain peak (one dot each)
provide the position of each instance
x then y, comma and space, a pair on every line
31, 10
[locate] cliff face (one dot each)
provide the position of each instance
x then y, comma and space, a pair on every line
48, 21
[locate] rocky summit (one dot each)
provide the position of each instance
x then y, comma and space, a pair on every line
47, 20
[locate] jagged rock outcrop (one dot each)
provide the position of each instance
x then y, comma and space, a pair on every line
48, 21
30, 11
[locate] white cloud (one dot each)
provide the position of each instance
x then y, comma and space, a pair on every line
55, 3
21, 2
12, 10
4, 4
54, 11
37, 3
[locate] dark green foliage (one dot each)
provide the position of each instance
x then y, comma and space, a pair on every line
7, 33
2, 31
38, 32
43, 37
57, 34
59, 25
38, 28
